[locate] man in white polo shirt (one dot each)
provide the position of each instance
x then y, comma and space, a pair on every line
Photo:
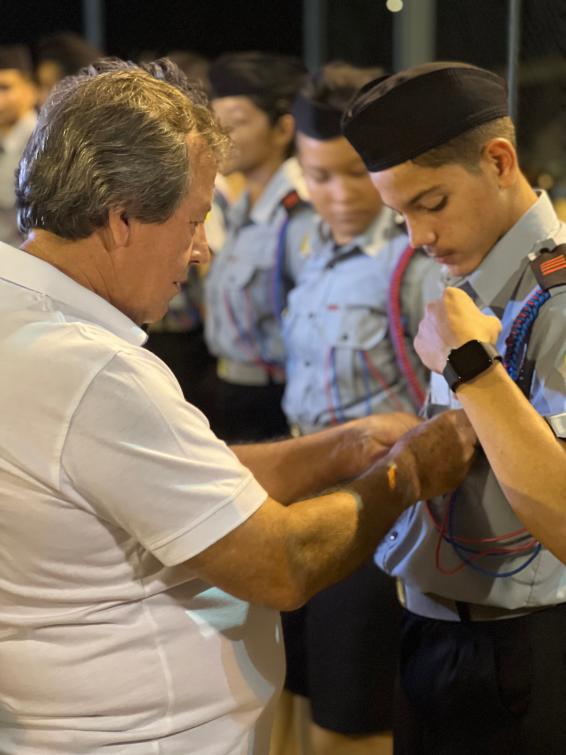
141, 560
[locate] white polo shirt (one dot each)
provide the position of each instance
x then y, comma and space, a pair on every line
109, 482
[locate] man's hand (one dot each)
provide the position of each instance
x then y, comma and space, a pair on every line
363, 441
440, 451
450, 322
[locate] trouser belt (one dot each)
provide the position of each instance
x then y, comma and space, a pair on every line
445, 609
245, 373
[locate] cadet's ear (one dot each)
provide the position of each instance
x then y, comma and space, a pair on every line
285, 129
501, 158
119, 230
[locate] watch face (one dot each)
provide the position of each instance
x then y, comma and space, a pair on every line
470, 358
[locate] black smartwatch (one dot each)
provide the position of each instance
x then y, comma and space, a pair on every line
468, 361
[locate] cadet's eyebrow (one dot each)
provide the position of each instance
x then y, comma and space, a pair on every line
421, 194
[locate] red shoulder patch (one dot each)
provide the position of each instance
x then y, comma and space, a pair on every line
549, 268
291, 200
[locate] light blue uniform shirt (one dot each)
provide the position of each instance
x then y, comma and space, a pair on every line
340, 360
500, 286
241, 322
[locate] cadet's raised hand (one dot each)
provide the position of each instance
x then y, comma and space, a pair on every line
449, 322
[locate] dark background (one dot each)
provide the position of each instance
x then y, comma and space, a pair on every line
358, 31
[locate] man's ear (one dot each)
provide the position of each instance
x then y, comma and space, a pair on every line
502, 159
119, 230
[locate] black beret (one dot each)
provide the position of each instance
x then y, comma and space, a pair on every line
398, 117
16, 56
316, 119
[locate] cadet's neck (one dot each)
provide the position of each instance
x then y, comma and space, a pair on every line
258, 178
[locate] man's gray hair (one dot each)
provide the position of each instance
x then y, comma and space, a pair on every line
111, 139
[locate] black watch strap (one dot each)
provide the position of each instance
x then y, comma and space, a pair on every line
468, 361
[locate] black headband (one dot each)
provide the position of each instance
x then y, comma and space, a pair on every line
316, 120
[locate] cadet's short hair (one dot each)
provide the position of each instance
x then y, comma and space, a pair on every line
336, 83
270, 80
111, 138
466, 149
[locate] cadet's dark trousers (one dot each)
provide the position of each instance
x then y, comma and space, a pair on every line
249, 413
471, 688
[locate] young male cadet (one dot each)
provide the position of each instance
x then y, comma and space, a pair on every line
247, 284
341, 647
142, 561
482, 661
18, 96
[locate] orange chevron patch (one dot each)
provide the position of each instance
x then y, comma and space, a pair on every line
551, 266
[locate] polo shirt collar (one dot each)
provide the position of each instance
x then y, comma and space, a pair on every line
25, 270
538, 225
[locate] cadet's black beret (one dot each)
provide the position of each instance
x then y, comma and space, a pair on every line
396, 118
316, 119
16, 56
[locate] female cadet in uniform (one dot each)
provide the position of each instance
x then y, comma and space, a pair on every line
247, 283
341, 364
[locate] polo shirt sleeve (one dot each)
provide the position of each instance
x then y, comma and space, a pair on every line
140, 457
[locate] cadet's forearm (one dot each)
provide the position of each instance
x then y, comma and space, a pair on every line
525, 455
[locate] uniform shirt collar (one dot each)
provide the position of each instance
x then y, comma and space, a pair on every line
370, 242
285, 179
538, 225
16, 138
25, 270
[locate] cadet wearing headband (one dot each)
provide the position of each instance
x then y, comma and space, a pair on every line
341, 364
483, 640
246, 287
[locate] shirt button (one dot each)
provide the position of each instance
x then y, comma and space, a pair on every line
393, 535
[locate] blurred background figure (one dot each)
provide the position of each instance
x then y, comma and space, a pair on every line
18, 97
61, 54
194, 65
246, 287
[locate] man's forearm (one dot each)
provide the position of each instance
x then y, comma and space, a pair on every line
525, 455
298, 467
331, 535
281, 555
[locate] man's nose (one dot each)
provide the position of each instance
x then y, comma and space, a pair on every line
200, 251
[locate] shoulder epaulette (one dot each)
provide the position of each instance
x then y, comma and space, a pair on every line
291, 200
549, 267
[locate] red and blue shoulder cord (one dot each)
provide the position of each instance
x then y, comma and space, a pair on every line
397, 331
289, 202
517, 543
